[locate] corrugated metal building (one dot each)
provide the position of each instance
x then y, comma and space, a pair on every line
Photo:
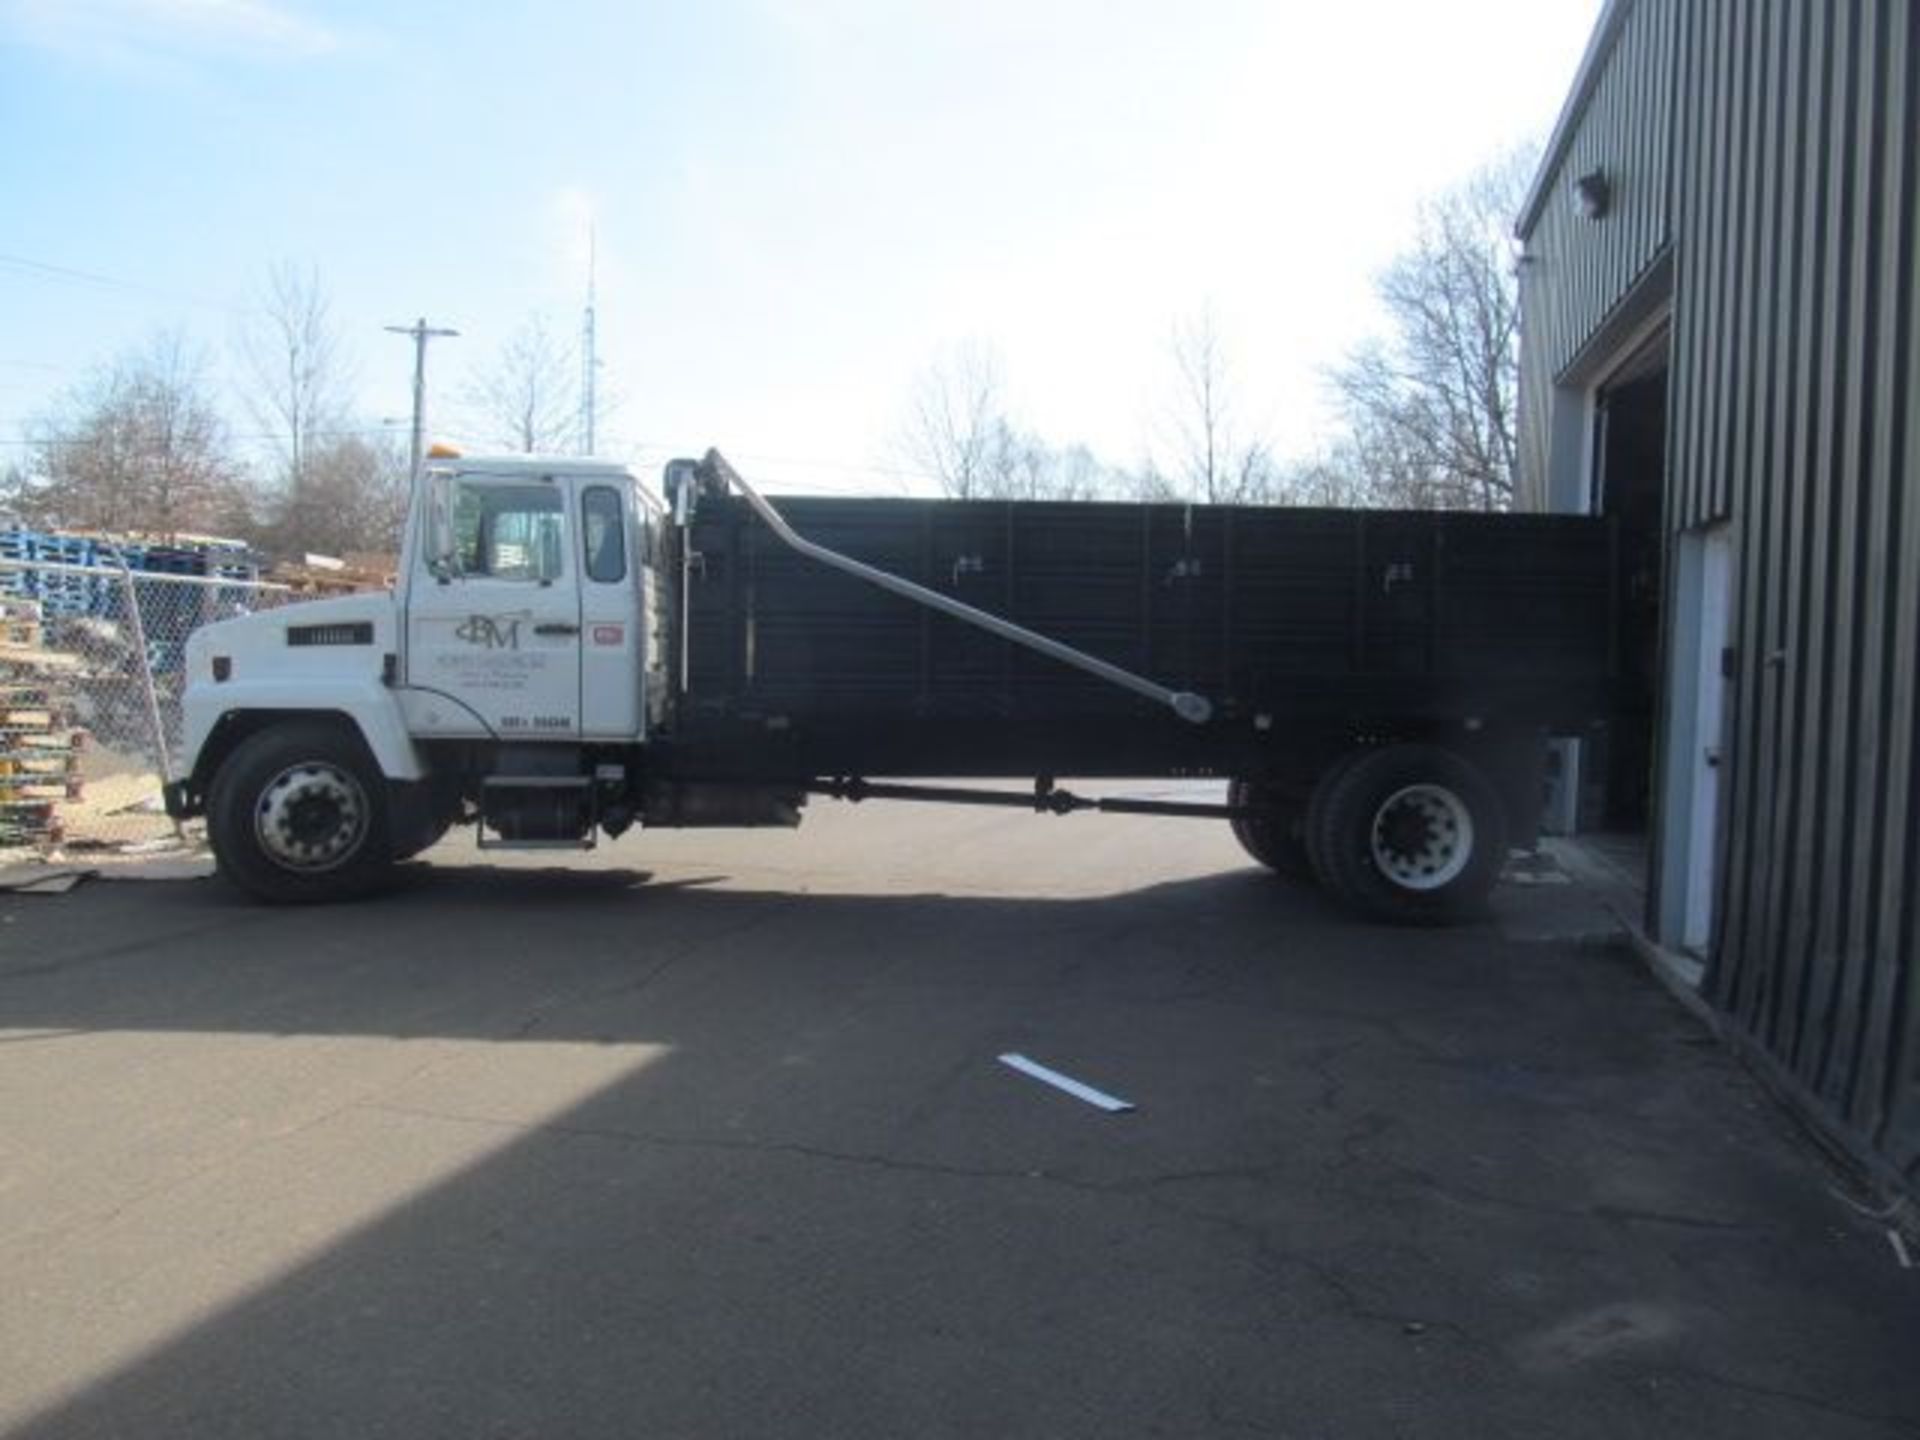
1721, 348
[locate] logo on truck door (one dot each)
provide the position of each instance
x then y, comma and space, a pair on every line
490, 632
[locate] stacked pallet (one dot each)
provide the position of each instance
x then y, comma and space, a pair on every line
76, 576
39, 745
57, 593
319, 576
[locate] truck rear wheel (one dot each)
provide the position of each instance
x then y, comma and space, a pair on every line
1313, 826
1272, 837
298, 813
1413, 834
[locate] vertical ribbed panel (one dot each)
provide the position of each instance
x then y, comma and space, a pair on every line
1794, 413
1796, 392
1579, 269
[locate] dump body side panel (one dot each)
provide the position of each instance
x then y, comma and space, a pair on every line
1296, 623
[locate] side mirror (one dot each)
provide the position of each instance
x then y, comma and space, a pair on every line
678, 482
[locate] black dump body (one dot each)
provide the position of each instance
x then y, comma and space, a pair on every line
1306, 629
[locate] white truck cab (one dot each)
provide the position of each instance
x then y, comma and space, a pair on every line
528, 620
531, 601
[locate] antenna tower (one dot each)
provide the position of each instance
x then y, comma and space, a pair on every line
589, 365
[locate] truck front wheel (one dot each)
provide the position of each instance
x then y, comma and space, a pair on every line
298, 813
1411, 833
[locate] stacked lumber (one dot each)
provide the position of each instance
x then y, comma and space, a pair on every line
40, 746
317, 576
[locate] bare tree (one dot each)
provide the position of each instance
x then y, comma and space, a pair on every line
140, 447
1148, 483
956, 420
958, 430
298, 376
1201, 421
1077, 474
333, 487
1022, 466
1213, 463
528, 397
1344, 476
353, 499
1437, 397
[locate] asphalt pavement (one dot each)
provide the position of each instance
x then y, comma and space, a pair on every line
706, 1134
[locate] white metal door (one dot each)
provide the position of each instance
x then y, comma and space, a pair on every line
1709, 759
1696, 767
493, 619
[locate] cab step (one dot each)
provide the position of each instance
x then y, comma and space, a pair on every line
537, 812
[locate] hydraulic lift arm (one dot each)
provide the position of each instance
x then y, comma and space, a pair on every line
1184, 703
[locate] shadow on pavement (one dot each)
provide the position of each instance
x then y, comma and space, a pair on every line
1380, 1183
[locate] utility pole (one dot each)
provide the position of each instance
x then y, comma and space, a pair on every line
421, 333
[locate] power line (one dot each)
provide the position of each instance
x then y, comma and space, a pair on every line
63, 272
46, 270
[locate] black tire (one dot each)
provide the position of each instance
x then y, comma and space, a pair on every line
1313, 824
1412, 834
1274, 837
298, 814
419, 814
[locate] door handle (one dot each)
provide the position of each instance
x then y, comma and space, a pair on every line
556, 628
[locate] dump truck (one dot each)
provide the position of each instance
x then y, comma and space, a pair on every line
567, 654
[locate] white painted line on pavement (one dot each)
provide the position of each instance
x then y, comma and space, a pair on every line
1899, 1243
1067, 1083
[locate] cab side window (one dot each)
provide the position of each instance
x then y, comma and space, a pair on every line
604, 532
509, 532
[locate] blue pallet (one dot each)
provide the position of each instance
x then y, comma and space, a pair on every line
166, 613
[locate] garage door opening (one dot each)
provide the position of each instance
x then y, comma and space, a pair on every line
1616, 805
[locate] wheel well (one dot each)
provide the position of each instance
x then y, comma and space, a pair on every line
239, 725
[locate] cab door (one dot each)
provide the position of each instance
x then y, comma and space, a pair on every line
612, 641
493, 620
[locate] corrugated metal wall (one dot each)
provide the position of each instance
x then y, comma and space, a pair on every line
1794, 411
1577, 271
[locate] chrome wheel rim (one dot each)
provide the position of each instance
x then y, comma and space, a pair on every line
311, 817
1422, 837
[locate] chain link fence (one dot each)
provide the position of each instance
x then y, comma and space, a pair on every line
92, 669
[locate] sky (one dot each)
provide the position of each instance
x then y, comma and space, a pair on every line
797, 206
